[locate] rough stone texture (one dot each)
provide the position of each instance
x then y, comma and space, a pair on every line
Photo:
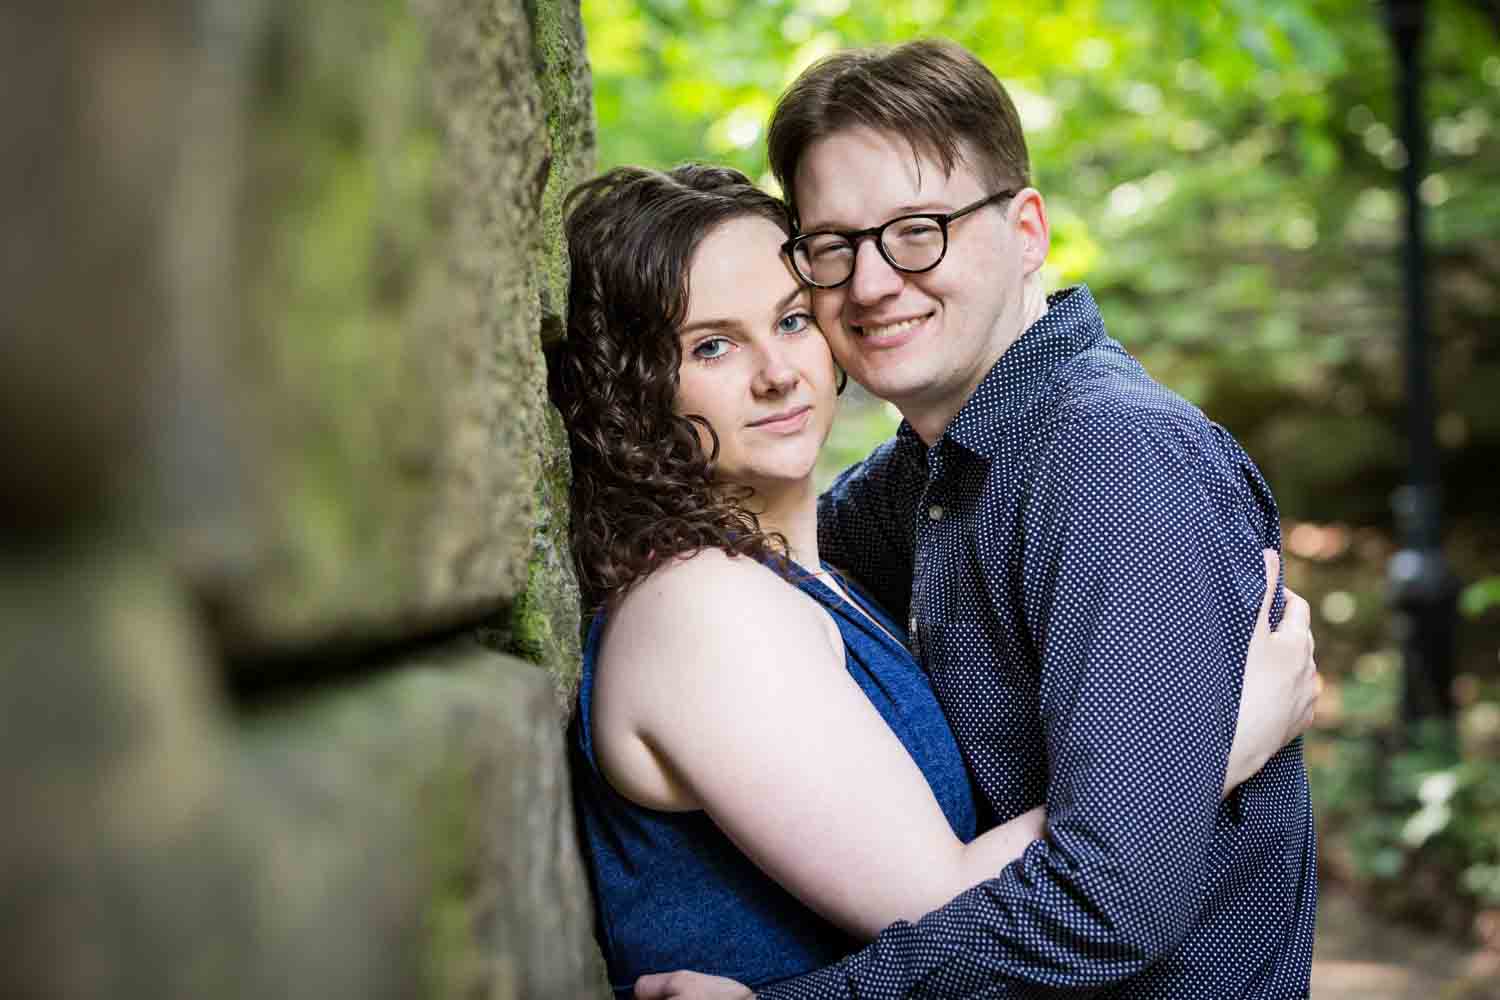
567, 87
395, 158
455, 750
139, 858
272, 289
91, 91
542, 625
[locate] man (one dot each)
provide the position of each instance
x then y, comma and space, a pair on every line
1076, 550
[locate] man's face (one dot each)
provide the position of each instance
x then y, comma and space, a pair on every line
922, 341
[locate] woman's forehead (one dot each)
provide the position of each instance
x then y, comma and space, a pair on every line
739, 271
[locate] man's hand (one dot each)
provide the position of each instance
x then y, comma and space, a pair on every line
1281, 687
690, 985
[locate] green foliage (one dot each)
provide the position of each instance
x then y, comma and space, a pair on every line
1480, 596
1402, 817
1222, 174
1409, 814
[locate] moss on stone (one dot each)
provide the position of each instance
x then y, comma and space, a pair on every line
389, 354
567, 89
542, 625
448, 830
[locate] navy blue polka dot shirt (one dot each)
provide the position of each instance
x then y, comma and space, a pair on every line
1079, 559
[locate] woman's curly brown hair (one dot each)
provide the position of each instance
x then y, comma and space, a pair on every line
643, 489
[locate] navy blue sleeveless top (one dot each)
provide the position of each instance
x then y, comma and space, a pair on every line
670, 889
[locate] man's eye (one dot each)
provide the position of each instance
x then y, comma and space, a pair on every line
917, 230
712, 349
830, 247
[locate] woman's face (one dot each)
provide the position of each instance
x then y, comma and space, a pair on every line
753, 362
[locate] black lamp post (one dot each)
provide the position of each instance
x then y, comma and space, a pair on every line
1423, 588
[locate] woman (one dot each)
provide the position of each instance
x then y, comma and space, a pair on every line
762, 776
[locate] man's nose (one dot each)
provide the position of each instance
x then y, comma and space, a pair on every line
874, 278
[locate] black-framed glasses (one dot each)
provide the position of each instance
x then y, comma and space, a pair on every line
909, 243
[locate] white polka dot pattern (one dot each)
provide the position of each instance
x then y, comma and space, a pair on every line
1079, 558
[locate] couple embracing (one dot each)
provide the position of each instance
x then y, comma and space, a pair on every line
1012, 709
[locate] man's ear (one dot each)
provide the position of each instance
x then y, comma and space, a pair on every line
1029, 214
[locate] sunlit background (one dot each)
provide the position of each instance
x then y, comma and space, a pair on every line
1224, 177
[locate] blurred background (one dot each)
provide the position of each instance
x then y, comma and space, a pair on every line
1226, 178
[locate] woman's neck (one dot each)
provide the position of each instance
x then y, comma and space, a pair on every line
792, 511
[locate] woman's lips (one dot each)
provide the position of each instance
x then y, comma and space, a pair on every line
785, 422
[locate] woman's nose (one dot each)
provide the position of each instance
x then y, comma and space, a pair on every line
775, 374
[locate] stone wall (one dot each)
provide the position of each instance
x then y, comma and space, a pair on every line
285, 599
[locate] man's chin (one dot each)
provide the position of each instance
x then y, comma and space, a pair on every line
891, 386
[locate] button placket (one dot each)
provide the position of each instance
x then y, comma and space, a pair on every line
924, 542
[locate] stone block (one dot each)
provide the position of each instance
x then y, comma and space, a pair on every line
92, 91
406, 833
140, 858
367, 250
385, 360
275, 282
320, 244
457, 752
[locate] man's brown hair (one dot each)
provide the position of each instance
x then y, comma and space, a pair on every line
935, 94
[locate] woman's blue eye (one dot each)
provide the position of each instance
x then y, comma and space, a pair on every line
711, 350
794, 323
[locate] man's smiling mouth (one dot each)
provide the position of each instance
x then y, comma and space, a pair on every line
888, 329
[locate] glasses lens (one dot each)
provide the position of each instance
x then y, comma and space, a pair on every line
824, 259
914, 244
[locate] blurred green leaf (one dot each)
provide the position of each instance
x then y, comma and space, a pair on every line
1479, 596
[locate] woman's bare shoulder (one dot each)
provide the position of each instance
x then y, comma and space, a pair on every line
680, 647
711, 582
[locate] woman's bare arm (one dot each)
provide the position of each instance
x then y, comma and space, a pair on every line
1281, 685
720, 687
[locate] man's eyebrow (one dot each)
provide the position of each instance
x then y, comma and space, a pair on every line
730, 324
896, 213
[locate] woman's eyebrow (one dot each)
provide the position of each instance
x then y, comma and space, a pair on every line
730, 324
708, 324
791, 297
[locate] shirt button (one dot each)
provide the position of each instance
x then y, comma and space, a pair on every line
935, 512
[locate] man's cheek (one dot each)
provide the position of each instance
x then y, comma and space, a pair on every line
826, 311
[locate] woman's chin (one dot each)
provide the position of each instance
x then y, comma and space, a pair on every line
774, 480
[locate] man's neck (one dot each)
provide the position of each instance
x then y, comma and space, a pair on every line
930, 421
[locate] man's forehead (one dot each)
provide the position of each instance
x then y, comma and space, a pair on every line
840, 172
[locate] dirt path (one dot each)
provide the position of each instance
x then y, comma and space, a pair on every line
1360, 958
